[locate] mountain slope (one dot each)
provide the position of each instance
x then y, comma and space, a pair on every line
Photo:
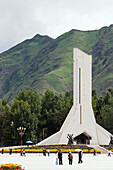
42, 62
103, 62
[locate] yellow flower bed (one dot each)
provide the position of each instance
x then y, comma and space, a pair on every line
51, 150
10, 166
6, 150
92, 150
85, 150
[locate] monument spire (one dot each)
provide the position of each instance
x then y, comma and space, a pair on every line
80, 121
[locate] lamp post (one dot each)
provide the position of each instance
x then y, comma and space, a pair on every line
21, 131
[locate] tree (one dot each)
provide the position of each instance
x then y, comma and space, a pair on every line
54, 111
107, 117
26, 112
23, 117
106, 111
32, 98
5, 119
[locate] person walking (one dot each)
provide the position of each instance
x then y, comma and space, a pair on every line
21, 152
60, 157
94, 153
70, 157
10, 151
2, 151
48, 151
24, 153
109, 153
57, 158
44, 152
80, 157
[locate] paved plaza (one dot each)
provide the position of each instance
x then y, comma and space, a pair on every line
40, 162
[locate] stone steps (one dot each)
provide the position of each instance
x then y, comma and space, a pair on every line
103, 150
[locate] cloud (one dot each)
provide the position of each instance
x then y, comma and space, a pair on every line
20, 20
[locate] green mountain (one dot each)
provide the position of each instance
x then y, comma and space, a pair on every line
44, 63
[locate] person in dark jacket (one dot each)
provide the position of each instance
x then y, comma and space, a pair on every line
10, 151
44, 152
2, 151
80, 157
94, 153
60, 157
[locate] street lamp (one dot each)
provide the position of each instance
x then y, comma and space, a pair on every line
21, 131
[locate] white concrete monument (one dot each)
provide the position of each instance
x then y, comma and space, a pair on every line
80, 124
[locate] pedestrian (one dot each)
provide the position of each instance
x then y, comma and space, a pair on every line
80, 157
21, 152
60, 157
70, 157
24, 153
2, 151
57, 158
48, 151
10, 151
109, 153
94, 153
44, 152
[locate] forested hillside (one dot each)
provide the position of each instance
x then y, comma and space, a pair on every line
43, 63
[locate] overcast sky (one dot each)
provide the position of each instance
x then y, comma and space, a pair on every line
22, 19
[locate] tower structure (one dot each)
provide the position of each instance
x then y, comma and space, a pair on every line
80, 121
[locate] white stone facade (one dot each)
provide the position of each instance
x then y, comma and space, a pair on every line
80, 119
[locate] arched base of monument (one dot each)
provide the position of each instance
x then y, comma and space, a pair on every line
82, 139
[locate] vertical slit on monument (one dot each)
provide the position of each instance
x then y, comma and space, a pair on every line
79, 85
80, 114
80, 95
